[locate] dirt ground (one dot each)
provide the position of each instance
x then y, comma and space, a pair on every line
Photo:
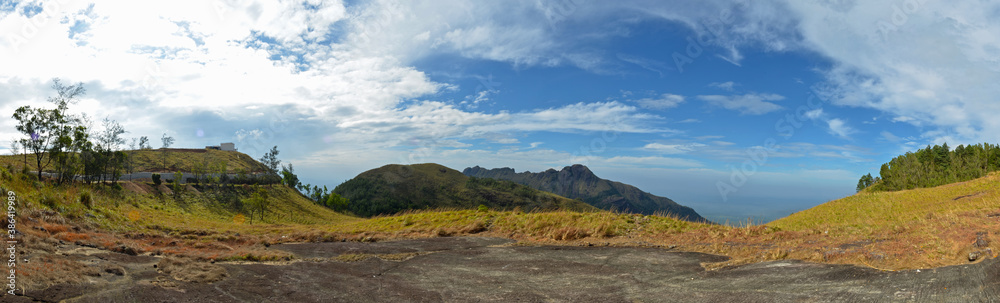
470, 269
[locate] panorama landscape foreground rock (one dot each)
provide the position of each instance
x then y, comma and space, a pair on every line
470, 269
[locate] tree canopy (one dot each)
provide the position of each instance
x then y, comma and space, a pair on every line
51, 131
933, 166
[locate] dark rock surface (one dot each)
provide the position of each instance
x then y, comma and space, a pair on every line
488, 270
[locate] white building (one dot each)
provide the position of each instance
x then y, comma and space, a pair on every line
223, 146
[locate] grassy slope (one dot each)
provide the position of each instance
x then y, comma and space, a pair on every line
151, 161
881, 210
142, 219
394, 188
925, 227
919, 228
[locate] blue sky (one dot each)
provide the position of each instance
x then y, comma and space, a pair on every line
736, 108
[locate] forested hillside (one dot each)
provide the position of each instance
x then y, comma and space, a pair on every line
933, 166
578, 182
394, 188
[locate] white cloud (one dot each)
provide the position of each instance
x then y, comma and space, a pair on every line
518, 32
840, 128
890, 137
651, 161
928, 63
835, 126
587, 117
665, 101
814, 114
727, 86
748, 104
672, 149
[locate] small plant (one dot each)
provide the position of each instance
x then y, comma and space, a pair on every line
87, 199
7, 176
483, 208
156, 180
49, 201
177, 183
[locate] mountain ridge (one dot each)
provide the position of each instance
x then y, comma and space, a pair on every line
579, 182
393, 188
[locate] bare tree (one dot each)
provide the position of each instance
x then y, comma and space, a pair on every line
15, 148
130, 159
144, 143
167, 142
109, 142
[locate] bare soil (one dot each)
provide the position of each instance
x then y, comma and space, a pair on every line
470, 269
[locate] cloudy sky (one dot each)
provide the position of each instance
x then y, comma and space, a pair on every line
736, 108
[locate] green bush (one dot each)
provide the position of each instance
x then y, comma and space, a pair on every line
156, 179
178, 177
86, 199
7, 176
49, 201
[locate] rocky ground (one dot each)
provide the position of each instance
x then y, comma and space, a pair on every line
469, 269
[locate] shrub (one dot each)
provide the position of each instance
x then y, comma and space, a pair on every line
87, 199
50, 201
156, 179
483, 208
7, 176
178, 176
27, 175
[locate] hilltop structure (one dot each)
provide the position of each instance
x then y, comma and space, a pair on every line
223, 146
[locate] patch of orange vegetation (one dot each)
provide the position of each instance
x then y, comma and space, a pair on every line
134, 215
55, 228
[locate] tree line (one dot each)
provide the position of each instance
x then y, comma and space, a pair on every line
70, 146
933, 166
322, 196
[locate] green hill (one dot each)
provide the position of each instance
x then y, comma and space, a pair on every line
141, 206
151, 160
394, 188
578, 182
